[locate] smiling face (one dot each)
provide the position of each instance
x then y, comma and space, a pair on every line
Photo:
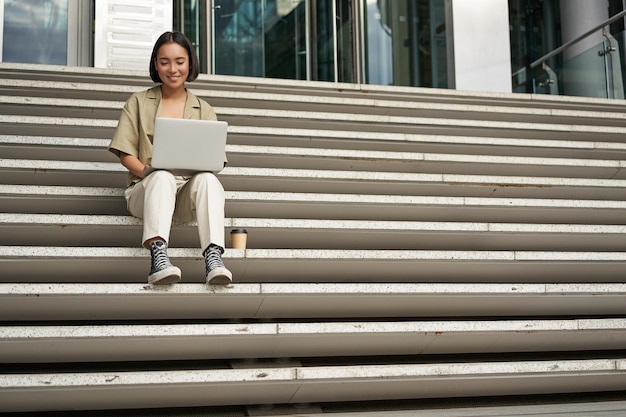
172, 65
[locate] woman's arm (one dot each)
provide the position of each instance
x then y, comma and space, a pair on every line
133, 164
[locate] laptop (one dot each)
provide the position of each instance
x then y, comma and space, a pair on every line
187, 146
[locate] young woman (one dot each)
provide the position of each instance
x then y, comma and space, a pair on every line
159, 197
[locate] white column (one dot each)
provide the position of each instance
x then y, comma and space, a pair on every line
583, 69
481, 51
578, 16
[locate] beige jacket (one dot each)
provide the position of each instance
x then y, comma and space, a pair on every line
135, 128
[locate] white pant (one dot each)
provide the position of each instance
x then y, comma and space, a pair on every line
161, 196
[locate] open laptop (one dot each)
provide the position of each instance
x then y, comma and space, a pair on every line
187, 146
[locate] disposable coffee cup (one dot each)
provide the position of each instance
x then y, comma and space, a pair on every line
239, 238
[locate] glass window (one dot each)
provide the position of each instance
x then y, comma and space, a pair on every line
293, 39
323, 44
35, 31
591, 66
535, 29
189, 18
347, 65
405, 43
260, 38
284, 27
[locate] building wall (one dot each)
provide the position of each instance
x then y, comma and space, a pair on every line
481, 46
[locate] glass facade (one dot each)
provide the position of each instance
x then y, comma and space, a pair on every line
189, 18
405, 43
382, 42
401, 42
292, 39
592, 66
239, 46
535, 31
35, 32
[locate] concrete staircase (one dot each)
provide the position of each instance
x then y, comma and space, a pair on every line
405, 245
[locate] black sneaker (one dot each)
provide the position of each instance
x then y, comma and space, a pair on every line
162, 272
216, 272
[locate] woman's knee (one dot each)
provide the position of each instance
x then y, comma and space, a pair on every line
160, 177
208, 180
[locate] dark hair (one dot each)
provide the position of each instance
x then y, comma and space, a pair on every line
182, 40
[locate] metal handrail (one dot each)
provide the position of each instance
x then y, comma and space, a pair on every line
577, 39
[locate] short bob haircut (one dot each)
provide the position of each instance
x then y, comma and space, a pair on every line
182, 40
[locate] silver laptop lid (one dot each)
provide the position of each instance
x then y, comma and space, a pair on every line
187, 146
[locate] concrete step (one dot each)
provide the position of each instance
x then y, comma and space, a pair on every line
78, 149
122, 264
57, 126
324, 96
304, 384
62, 200
62, 114
389, 141
95, 302
113, 174
89, 76
92, 230
600, 405
110, 201
188, 341
329, 139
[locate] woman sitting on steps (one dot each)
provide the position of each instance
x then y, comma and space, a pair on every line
159, 197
